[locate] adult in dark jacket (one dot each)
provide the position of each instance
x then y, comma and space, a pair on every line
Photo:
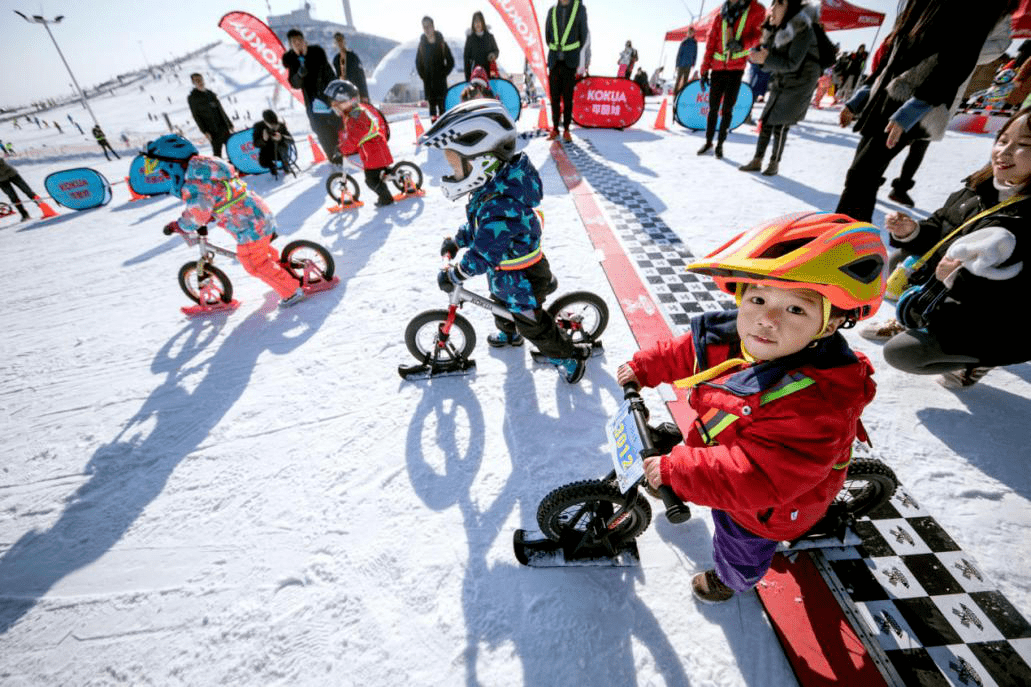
309, 70
687, 54
789, 52
9, 178
909, 94
272, 139
434, 62
567, 36
981, 269
348, 66
734, 31
480, 47
207, 111
102, 141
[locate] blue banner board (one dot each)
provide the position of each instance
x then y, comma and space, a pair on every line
691, 108
504, 90
153, 184
78, 189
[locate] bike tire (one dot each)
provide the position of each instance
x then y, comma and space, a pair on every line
581, 315
337, 181
402, 169
297, 252
421, 335
190, 284
572, 507
869, 485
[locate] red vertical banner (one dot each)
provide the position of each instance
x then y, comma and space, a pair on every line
263, 45
521, 18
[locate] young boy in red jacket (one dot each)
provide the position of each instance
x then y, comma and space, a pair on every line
361, 130
779, 408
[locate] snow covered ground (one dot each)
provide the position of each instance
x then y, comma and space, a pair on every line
259, 499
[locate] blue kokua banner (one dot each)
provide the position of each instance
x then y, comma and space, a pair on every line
78, 189
242, 153
504, 90
153, 184
691, 108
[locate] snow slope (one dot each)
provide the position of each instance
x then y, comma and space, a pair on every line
259, 498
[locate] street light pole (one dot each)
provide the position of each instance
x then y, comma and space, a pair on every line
36, 19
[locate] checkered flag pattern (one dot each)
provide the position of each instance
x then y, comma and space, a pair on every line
659, 254
928, 605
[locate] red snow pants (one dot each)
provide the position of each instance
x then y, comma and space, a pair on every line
261, 260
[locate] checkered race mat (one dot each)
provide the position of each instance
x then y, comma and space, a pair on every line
926, 603
659, 254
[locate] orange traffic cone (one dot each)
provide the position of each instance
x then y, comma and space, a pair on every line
48, 211
542, 118
133, 196
660, 121
419, 131
316, 151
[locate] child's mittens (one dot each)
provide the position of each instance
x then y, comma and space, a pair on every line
171, 228
449, 248
982, 251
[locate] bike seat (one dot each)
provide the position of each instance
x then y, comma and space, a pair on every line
552, 286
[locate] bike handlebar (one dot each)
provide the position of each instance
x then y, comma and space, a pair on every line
676, 510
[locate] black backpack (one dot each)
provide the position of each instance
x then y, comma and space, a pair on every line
826, 52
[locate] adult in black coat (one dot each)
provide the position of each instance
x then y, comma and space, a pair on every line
348, 66
909, 93
980, 269
434, 62
567, 37
207, 111
480, 47
272, 139
309, 70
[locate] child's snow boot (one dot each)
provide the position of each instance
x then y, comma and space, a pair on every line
708, 587
297, 297
502, 339
573, 369
962, 379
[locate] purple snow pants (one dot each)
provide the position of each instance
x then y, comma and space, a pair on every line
742, 558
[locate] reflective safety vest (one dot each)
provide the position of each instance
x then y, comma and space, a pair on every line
236, 191
373, 128
715, 421
562, 46
722, 56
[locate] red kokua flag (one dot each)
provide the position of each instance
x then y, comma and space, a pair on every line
263, 45
521, 18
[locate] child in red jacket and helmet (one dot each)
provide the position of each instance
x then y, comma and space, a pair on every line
779, 408
362, 130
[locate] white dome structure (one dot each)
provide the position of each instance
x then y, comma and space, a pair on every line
398, 67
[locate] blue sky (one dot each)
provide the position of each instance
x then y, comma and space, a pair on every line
105, 37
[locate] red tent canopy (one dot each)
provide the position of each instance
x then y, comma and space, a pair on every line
1021, 20
835, 15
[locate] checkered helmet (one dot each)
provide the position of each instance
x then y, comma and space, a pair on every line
482, 133
473, 128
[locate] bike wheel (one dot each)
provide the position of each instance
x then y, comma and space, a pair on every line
581, 315
421, 337
213, 287
307, 262
405, 169
575, 507
337, 182
869, 485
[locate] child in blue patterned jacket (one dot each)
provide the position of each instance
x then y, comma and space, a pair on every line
502, 237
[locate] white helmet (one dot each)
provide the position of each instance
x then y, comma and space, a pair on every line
482, 133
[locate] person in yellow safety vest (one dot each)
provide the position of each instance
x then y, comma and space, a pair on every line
734, 31
565, 32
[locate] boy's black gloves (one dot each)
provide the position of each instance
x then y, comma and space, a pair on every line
449, 248
447, 278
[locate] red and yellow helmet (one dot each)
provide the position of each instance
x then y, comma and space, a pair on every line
840, 258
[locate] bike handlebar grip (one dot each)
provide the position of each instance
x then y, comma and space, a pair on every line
676, 510
202, 230
167, 230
